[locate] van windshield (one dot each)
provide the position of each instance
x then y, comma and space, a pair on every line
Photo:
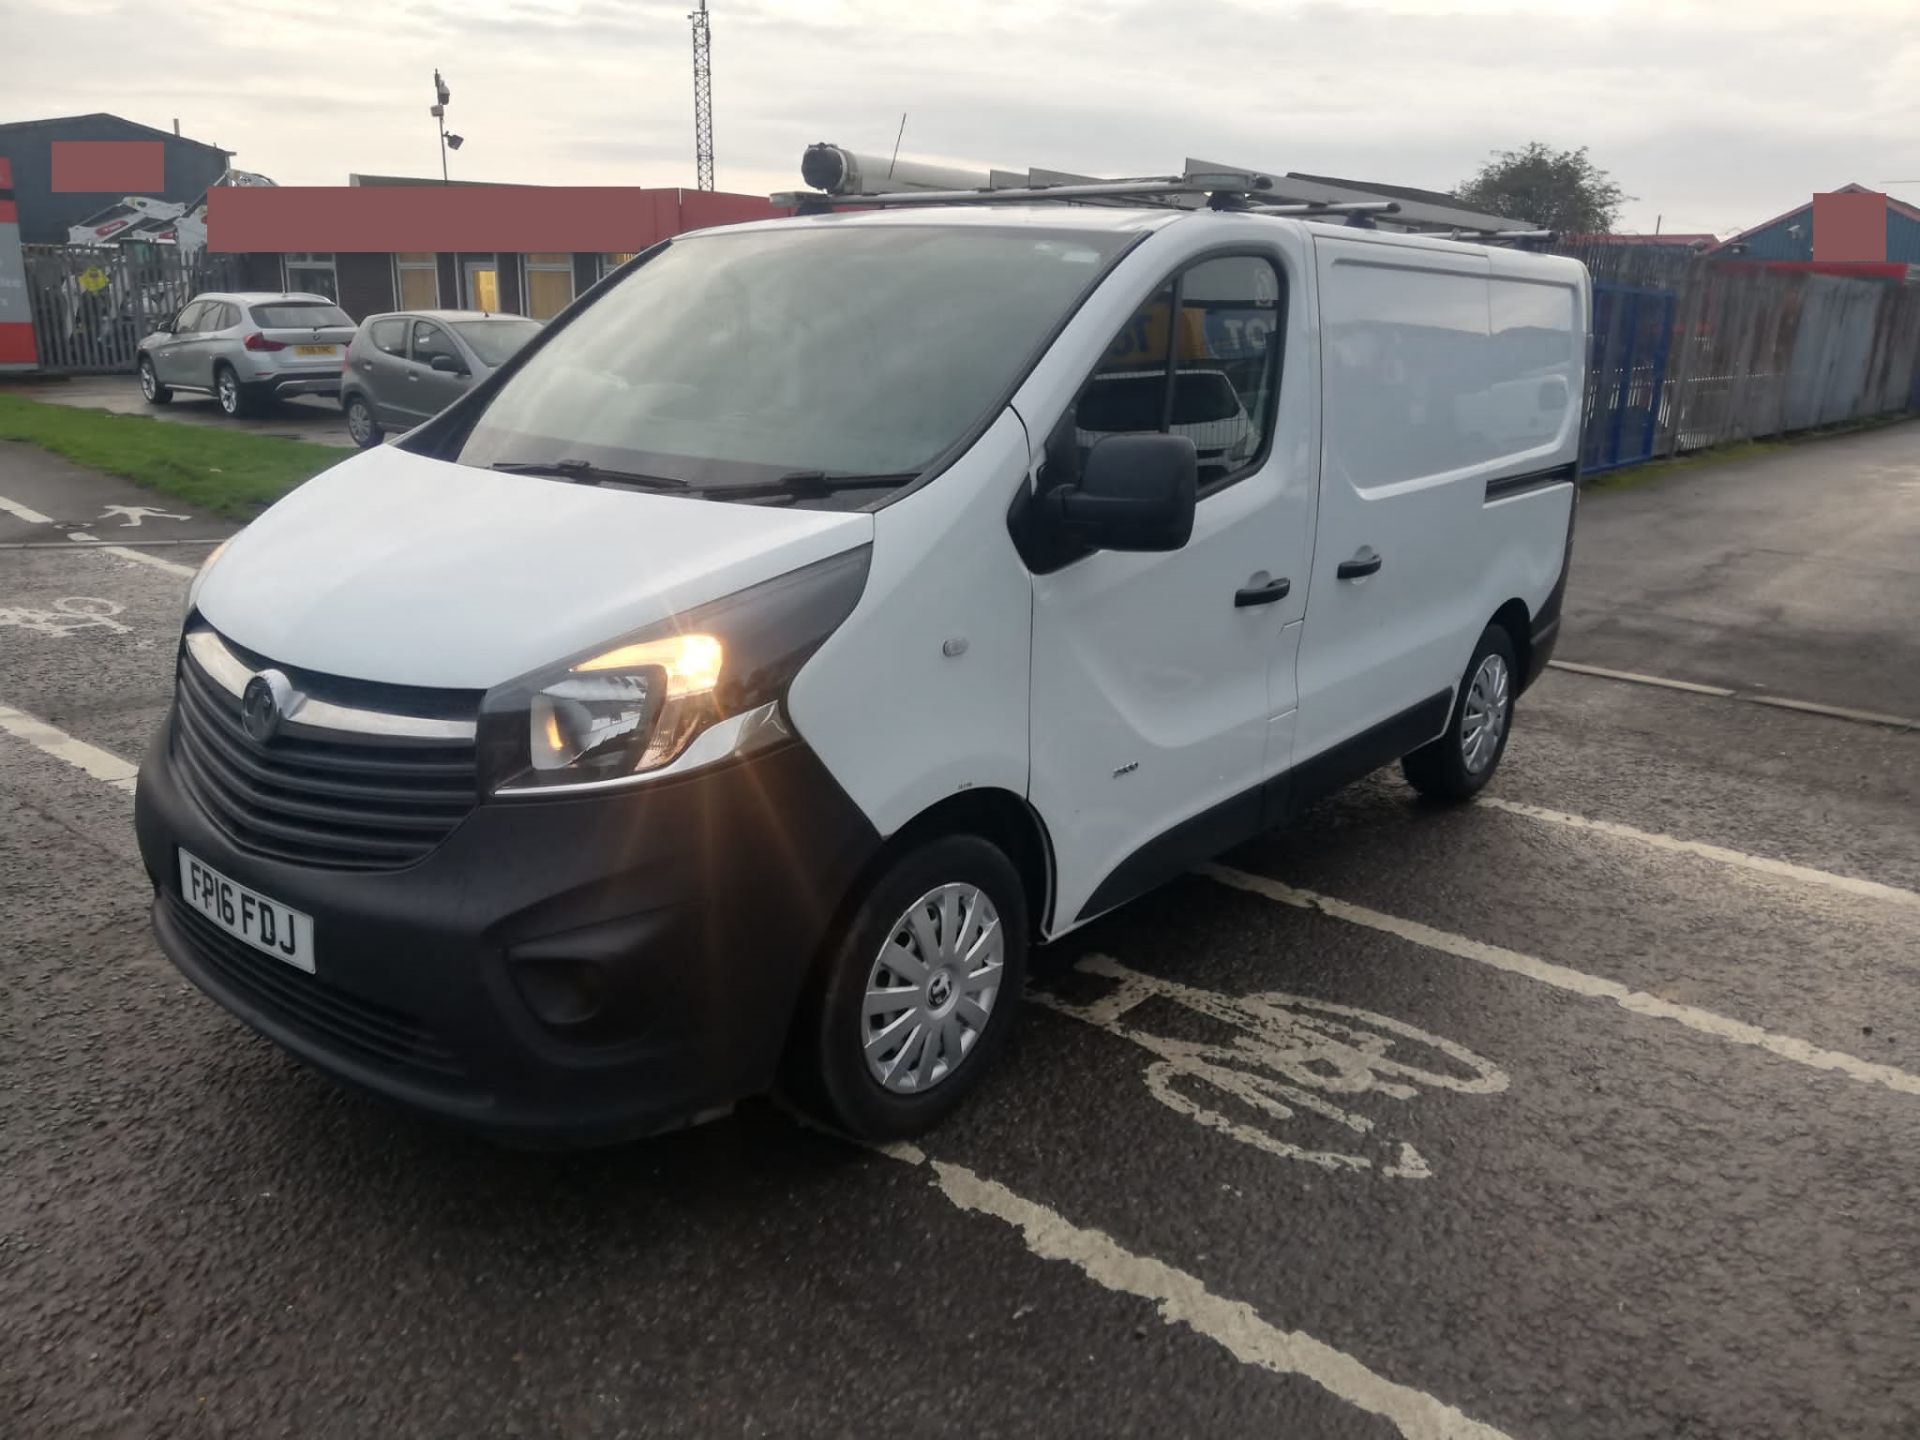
736, 359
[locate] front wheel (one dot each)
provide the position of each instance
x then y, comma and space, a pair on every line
920, 990
361, 425
1458, 765
150, 386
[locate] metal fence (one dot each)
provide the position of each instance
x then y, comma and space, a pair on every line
1689, 353
92, 304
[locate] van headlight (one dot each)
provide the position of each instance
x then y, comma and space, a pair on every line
699, 688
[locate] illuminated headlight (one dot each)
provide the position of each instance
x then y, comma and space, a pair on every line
620, 714
649, 698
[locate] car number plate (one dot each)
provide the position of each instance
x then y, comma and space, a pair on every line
316, 349
267, 925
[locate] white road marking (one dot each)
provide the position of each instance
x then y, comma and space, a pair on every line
94, 542
132, 516
1805, 874
1578, 982
1284, 1048
1837, 712
69, 613
1183, 1299
21, 512
91, 758
1634, 677
1721, 692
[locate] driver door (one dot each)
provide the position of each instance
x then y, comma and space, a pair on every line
1163, 692
427, 391
167, 364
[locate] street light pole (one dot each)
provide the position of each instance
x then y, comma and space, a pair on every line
441, 96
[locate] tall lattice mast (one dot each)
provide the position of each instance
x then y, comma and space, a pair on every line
702, 97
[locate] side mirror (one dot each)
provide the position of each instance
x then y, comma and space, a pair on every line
447, 365
164, 325
1136, 492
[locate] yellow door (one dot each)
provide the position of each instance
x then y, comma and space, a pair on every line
483, 285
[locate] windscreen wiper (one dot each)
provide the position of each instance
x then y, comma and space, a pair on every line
583, 472
814, 482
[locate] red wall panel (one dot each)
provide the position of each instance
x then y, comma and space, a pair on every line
125, 167
1850, 225
508, 219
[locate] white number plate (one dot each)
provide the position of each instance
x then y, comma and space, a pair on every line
267, 925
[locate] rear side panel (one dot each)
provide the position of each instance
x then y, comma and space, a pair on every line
1452, 385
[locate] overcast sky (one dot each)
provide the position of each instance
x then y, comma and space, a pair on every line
1716, 114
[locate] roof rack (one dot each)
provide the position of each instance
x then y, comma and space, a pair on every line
1214, 184
1222, 192
842, 179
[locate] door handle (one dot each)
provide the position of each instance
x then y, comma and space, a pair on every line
1362, 565
1265, 592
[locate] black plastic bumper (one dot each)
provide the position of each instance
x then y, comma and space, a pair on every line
664, 934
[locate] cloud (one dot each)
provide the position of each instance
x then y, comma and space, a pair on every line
1714, 116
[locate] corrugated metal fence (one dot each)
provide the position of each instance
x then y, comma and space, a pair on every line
93, 304
1689, 353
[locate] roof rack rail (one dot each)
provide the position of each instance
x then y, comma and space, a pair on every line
1307, 209
1216, 184
1494, 237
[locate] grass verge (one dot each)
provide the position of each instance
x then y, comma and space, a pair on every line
227, 472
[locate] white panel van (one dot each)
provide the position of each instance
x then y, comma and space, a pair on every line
731, 689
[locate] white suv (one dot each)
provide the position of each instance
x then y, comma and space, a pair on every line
246, 348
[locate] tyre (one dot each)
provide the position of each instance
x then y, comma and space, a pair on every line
361, 425
150, 386
920, 990
235, 399
1458, 765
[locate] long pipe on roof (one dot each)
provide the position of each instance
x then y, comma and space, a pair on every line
838, 171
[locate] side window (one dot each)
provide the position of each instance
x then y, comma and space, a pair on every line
1200, 358
389, 336
429, 341
1127, 394
189, 319
221, 317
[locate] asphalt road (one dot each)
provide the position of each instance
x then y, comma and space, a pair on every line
1586, 1111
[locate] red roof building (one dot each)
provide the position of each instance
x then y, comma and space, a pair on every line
525, 249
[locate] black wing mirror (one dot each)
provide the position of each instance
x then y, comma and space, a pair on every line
447, 364
1136, 492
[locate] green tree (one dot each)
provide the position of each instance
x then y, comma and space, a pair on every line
1557, 189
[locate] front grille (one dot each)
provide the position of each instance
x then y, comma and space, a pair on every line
338, 1019
326, 798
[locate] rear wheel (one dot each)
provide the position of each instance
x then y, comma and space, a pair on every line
920, 990
1458, 765
361, 425
235, 399
150, 386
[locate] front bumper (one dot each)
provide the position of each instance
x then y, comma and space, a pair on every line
687, 912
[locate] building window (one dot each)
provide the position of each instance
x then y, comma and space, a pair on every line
416, 280
549, 285
312, 274
611, 263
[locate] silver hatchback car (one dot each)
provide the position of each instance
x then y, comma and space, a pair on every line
246, 348
404, 367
